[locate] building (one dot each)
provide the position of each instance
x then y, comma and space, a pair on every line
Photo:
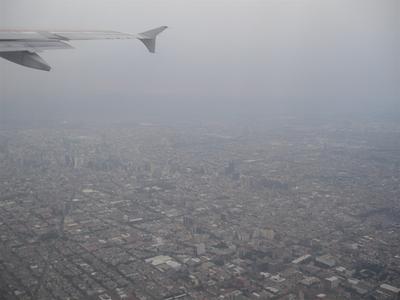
200, 249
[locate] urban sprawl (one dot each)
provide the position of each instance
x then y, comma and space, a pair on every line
284, 210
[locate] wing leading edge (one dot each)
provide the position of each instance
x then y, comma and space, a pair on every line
22, 47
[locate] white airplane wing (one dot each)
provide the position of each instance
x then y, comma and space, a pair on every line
21, 47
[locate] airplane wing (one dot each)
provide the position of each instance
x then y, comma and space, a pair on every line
21, 47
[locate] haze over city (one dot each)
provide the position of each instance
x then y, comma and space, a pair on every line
218, 59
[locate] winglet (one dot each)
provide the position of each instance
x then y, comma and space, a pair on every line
148, 38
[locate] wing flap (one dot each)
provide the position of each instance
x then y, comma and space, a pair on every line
10, 35
93, 35
32, 46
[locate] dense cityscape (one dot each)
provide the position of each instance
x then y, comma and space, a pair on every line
284, 210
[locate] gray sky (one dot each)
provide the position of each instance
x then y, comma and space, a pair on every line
236, 58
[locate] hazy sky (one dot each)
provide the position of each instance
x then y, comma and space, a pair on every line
219, 58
